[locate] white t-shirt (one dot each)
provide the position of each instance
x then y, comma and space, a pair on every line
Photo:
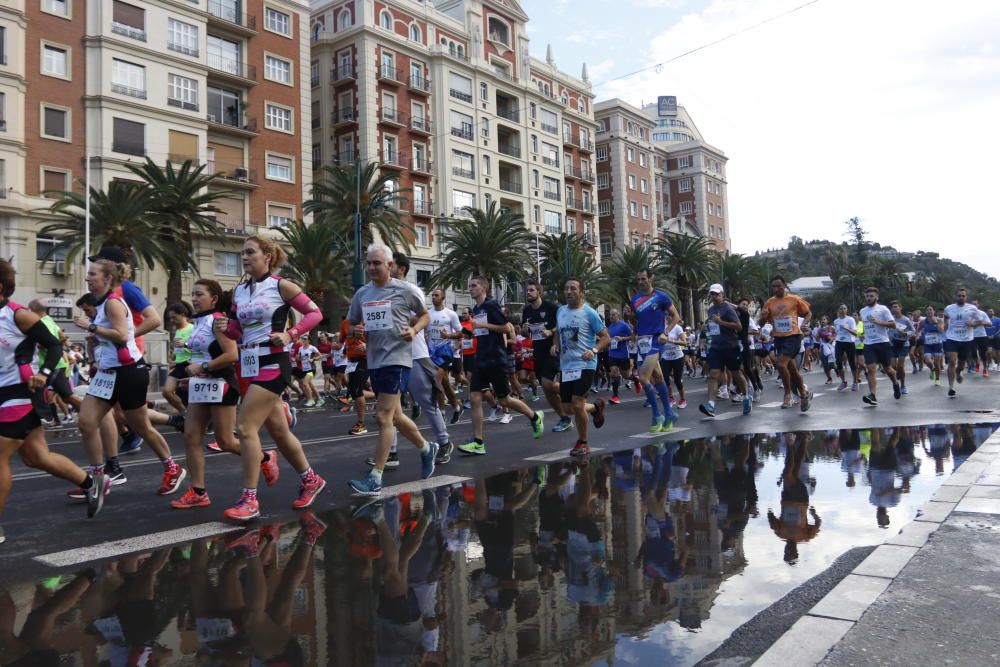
959, 319
444, 321
671, 350
306, 353
843, 336
876, 333
419, 345
979, 331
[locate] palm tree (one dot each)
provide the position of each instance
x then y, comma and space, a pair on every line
837, 260
767, 268
620, 271
184, 205
688, 260
118, 216
565, 255
493, 243
319, 263
334, 199
738, 275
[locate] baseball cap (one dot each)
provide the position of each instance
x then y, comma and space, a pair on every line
715, 288
112, 252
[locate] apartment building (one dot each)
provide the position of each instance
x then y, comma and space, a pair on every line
447, 99
220, 82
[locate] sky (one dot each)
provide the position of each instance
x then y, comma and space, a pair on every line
887, 110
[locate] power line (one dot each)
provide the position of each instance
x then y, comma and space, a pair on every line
709, 44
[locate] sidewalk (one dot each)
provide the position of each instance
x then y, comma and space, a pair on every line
929, 595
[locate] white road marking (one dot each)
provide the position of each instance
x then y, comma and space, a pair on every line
419, 485
150, 542
556, 456
657, 435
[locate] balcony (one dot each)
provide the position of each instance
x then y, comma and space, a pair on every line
464, 173
582, 144
390, 74
391, 159
228, 16
579, 205
340, 117
421, 165
512, 115
419, 85
420, 125
233, 175
579, 174
551, 129
422, 208
232, 68
551, 162
128, 31
237, 226
457, 55
342, 74
511, 186
510, 149
393, 117
128, 90
182, 104
464, 132
236, 124
460, 95
554, 196
503, 74
183, 48
128, 148
344, 158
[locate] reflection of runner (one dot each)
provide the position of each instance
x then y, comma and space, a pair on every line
793, 525
735, 463
33, 645
882, 465
851, 460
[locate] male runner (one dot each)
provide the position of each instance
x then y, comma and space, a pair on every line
878, 322
621, 334
446, 327
981, 338
846, 330
959, 344
653, 309
783, 311
900, 337
724, 349
539, 316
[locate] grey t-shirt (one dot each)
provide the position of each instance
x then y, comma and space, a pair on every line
385, 311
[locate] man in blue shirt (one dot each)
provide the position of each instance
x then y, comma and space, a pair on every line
582, 336
653, 310
618, 357
724, 349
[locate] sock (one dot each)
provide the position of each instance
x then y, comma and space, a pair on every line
664, 394
87, 483
96, 470
200, 490
168, 463
248, 494
479, 441
395, 448
711, 404
112, 463
376, 475
615, 384
307, 475
651, 395
423, 448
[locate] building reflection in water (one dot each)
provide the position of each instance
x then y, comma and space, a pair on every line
550, 565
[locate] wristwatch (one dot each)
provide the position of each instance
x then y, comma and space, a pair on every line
46, 372
204, 367
92, 328
594, 350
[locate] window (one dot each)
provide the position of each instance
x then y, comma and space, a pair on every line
55, 123
280, 215
462, 200
278, 22
532, 110
225, 55
278, 69
3, 44
684, 185
687, 207
129, 137
604, 207
182, 92
645, 211
484, 92
711, 230
280, 168
385, 20
182, 37
642, 159
224, 107
462, 164
54, 180
631, 181
586, 200
718, 210
390, 149
661, 136
602, 181
549, 121
317, 156
536, 214
630, 154
415, 34
633, 209
423, 277
581, 106
420, 235
344, 20
128, 78
277, 118
314, 73
551, 186
565, 98
550, 155
684, 162
461, 125
55, 61
3, 112
487, 166
644, 186
553, 222
57, 7
460, 87
484, 124
534, 144
499, 31
228, 264
602, 153
128, 20
420, 203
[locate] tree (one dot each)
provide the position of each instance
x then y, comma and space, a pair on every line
738, 275
118, 216
555, 250
319, 263
766, 268
858, 236
183, 205
493, 243
621, 270
334, 198
688, 260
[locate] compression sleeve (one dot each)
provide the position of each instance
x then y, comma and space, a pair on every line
40, 335
311, 316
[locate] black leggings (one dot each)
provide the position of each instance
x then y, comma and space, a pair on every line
750, 368
846, 348
673, 368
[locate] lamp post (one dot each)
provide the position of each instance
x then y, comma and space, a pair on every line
358, 274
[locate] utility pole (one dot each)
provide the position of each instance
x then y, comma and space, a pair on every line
358, 274
86, 223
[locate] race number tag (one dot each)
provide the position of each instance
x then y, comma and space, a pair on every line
467, 344
783, 324
632, 347
378, 315
614, 344
250, 362
496, 503
206, 390
569, 376
713, 329
478, 321
352, 366
102, 385
931, 339
537, 331
645, 344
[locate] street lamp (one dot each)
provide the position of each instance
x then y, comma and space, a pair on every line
358, 273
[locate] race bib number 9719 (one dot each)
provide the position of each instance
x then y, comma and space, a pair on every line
205, 390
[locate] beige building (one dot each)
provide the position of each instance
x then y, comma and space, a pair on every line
220, 82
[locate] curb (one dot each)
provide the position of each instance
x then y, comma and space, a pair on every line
812, 637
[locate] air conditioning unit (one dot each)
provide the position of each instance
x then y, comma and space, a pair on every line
211, 118
59, 266
241, 174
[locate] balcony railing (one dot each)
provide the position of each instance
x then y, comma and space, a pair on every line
464, 132
389, 73
579, 205
503, 74
344, 157
554, 196
237, 225
422, 207
460, 95
232, 172
128, 147
391, 159
550, 161
583, 144
574, 172
231, 14
511, 186
129, 31
338, 116
459, 56
182, 104
551, 129
232, 66
420, 124
238, 121
183, 48
128, 90
342, 73
464, 173
509, 114
394, 116
511, 150
422, 165
419, 83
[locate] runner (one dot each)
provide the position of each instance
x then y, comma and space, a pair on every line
309, 358
981, 338
539, 317
331, 386
582, 336
900, 336
932, 330
748, 333
179, 315
846, 336
785, 312
959, 344
489, 366
122, 379
356, 354
621, 335
212, 388
257, 320
878, 322
446, 328
724, 349
393, 314
672, 364
58, 382
654, 313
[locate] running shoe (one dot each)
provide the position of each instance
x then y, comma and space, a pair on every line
896, 391
937, 383
986, 373
614, 400
903, 390
358, 429
427, 460
806, 401
707, 409
191, 499
598, 413
467, 405
747, 406
842, 387
657, 425
177, 421
538, 425
368, 487
308, 492
391, 463
444, 453
854, 386
638, 387
952, 393
580, 449
682, 404
312, 528
172, 478
100, 487
310, 403
473, 448
269, 468
506, 418
564, 424
736, 397
130, 445
787, 403
457, 413
213, 447
291, 414
870, 399
958, 376
247, 544
116, 475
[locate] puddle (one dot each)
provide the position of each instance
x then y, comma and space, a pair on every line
651, 555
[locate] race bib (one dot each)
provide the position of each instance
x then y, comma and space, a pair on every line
783, 324
872, 333
352, 366
932, 339
569, 376
632, 347
614, 344
467, 344
206, 390
378, 315
645, 344
102, 385
537, 331
960, 329
478, 321
250, 362
713, 329
496, 503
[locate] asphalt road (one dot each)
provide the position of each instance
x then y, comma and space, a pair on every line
44, 530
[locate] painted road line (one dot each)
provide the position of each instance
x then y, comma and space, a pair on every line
672, 431
556, 456
150, 542
419, 485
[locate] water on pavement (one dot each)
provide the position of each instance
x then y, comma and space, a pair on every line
642, 556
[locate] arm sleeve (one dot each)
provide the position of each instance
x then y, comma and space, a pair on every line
311, 315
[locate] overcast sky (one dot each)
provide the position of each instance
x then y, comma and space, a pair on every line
884, 109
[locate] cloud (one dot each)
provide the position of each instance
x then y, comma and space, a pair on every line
662, 4
587, 36
601, 69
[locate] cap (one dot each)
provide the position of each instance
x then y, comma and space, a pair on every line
715, 288
112, 252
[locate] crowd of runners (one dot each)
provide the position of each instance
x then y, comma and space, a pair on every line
239, 355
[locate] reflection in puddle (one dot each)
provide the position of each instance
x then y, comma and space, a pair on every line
649, 556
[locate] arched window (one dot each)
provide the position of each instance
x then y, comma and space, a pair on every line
581, 106
415, 33
317, 29
385, 20
499, 31
461, 50
565, 98
345, 19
